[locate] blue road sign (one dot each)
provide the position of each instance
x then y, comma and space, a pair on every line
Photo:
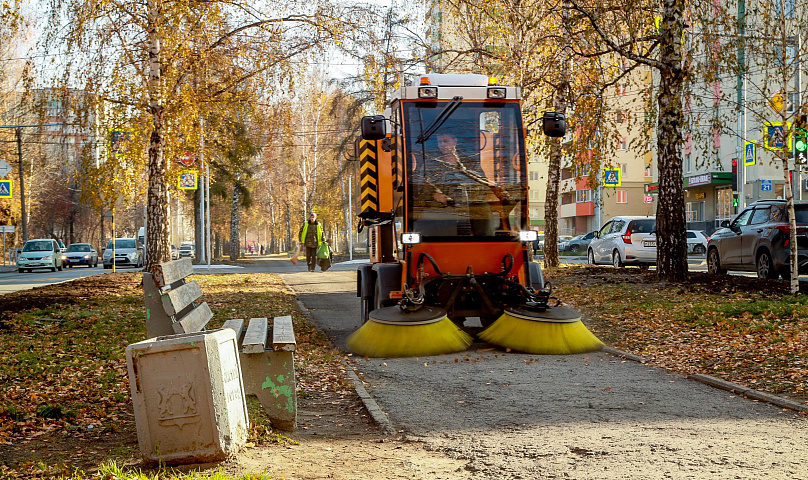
750, 155
766, 185
611, 177
775, 136
6, 188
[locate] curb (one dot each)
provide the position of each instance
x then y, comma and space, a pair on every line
367, 399
749, 392
722, 384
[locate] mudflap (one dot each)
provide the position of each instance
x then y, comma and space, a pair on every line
388, 279
536, 279
364, 281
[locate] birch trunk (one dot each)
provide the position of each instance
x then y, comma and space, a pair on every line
554, 168
157, 242
235, 251
671, 225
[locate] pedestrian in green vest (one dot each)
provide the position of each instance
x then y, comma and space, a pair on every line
311, 237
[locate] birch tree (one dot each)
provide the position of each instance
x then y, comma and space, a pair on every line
144, 57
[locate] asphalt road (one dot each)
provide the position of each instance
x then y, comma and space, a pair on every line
13, 281
592, 416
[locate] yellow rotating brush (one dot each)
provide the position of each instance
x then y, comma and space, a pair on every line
391, 332
554, 331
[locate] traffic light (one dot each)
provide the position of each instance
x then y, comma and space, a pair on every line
735, 201
800, 140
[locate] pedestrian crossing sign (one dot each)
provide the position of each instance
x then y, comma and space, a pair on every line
187, 180
6, 188
750, 154
777, 136
611, 177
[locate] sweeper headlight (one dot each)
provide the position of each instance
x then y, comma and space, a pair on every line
497, 92
427, 92
528, 236
410, 238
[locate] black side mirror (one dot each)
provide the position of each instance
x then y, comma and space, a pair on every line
725, 224
373, 127
554, 124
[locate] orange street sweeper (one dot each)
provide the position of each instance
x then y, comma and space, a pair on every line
444, 194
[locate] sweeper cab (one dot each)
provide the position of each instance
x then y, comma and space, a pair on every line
444, 194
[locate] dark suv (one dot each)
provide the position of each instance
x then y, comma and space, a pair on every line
758, 240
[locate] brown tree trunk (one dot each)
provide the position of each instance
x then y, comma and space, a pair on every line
551, 205
671, 225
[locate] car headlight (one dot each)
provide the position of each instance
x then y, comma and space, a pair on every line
47, 257
22, 257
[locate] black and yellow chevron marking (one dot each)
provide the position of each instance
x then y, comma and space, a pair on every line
368, 177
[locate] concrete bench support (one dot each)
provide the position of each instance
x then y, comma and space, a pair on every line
268, 370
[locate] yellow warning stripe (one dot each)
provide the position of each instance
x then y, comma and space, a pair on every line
368, 205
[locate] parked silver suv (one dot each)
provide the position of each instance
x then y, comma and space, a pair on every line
625, 241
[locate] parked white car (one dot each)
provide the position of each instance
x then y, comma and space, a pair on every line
697, 241
624, 241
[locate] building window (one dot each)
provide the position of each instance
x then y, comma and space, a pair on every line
622, 196
623, 144
534, 175
623, 170
649, 170
621, 90
694, 211
723, 205
583, 196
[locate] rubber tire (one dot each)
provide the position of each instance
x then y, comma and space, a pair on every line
700, 249
107, 268
364, 309
59, 268
714, 263
70, 266
20, 270
590, 257
574, 248
764, 266
376, 295
617, 262
53, 269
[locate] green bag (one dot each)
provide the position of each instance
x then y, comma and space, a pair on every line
323, 251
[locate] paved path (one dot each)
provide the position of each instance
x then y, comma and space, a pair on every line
588, 416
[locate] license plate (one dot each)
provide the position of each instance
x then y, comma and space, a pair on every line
649, 243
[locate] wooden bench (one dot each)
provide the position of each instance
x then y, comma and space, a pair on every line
268, 369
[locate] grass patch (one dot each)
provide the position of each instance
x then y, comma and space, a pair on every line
741, 329
66, 406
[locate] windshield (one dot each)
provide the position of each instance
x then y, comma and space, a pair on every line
469, 177
122, 243
78, 248
38, 246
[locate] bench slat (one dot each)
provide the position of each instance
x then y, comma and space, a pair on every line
255, 340
283, 335
169, 272
177, 299
237, 325
195, 320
